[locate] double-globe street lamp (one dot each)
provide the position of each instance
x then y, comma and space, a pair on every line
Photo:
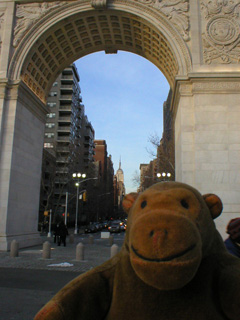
78, 176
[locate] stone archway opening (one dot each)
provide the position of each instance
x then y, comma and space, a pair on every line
129, 91
82, 34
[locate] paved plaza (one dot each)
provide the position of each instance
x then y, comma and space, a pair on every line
27, 282
65, 257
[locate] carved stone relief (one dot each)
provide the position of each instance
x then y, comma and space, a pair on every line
175, 10
221, 39
28, 14
1, 29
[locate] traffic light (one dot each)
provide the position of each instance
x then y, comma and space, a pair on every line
85, 196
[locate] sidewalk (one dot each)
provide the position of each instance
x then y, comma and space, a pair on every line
94, 255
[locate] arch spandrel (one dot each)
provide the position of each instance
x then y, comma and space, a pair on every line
61, 34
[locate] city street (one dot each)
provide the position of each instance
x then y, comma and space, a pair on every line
27, 282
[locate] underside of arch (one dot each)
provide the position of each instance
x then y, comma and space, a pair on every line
91, 31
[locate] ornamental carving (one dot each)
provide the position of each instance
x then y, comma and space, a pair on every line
29, 14
99, 4
1, 29
221, 39
175, 10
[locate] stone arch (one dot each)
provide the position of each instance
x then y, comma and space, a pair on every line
74, 29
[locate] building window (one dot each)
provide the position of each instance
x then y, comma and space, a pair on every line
51, 104
49, 135
50, 125
55, 84
48, 145
52, 93
51, 115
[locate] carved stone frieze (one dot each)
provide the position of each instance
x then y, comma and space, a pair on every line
221, 38
1, 28
28, 14
175, 10
99, 4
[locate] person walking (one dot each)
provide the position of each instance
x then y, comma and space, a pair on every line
63, 232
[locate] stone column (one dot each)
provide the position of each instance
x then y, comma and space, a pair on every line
207, 139
21, 146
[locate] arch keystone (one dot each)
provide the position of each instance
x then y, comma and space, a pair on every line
99, 4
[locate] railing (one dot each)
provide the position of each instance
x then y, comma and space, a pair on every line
63, 138
64, 128
66, 86
66, 97
63, 149
62, 159
65, 107
65, 118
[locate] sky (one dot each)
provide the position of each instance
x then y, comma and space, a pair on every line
123, 95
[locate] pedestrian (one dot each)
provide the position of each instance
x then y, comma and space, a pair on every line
56, 232
63, 232
232, 243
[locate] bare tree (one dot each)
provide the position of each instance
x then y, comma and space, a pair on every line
136, 179
154, 140
163, 151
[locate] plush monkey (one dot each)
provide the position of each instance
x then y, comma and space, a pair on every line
173, 265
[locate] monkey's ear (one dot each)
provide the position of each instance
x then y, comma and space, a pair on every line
129, 200
214, 204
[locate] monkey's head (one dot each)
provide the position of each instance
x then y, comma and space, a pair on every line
170, 229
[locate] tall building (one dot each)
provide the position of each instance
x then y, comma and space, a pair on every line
68, 134
120, 189
166, 149
101, 157
148, 175
88, 144
105, 174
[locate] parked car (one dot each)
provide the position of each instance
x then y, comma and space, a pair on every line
98, 226
90, 228
114, 227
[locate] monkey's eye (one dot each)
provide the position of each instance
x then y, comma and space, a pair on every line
143, 204
184, 204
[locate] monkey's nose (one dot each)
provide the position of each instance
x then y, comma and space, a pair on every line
158, 236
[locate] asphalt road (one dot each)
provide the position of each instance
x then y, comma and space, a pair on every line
24, 291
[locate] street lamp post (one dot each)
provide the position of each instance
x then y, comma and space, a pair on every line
50, 224
78, 176
76, 218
